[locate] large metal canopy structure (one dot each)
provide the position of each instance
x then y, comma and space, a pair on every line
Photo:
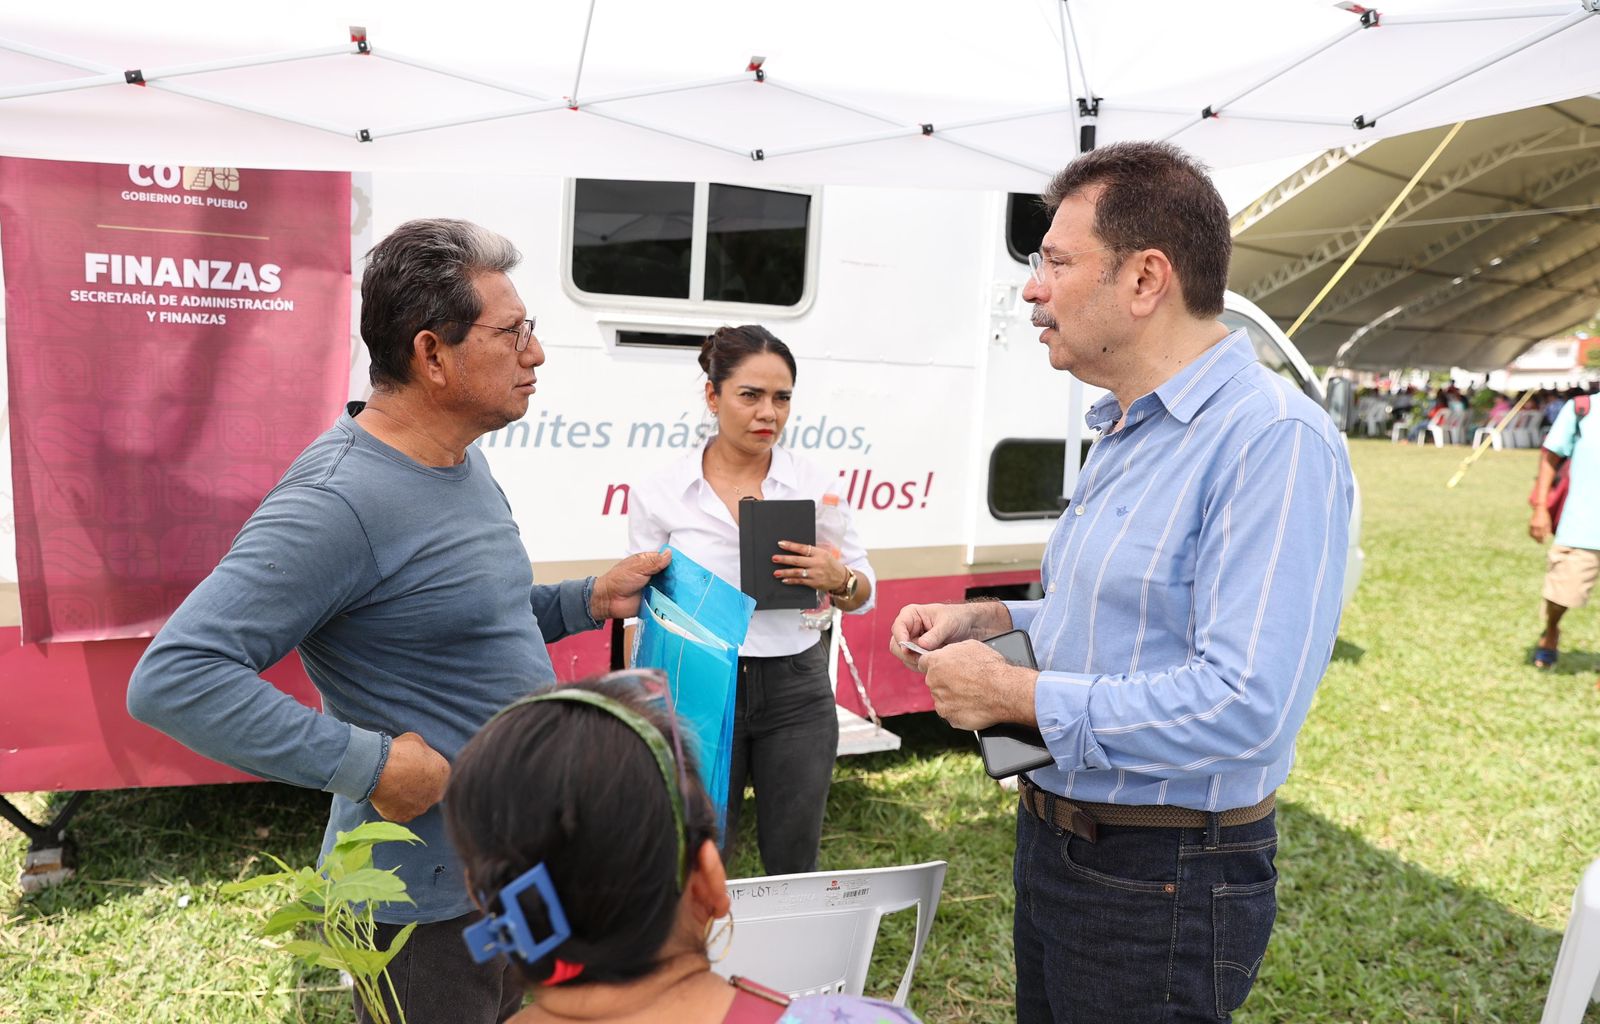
1497, 247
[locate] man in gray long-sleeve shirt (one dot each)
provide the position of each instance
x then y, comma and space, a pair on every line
388, 556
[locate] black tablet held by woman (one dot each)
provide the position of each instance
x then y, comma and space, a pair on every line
1011, 749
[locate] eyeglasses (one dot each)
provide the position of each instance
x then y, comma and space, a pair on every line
524, 333
1037, 260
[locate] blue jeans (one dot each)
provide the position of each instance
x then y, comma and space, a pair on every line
1145, 925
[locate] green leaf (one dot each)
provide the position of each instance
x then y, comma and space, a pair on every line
370, 885
252, 884
395, 946
360, 961
373, 832
287, 917
316, 954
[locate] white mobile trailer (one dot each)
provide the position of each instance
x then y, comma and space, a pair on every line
921, 381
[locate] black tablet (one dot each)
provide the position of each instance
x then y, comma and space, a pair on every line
1011, 749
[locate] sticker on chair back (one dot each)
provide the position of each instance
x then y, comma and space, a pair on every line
841, 892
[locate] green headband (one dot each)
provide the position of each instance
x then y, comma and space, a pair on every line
652, 738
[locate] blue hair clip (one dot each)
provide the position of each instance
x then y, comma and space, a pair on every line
508, 931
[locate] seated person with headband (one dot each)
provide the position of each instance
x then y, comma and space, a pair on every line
590, 845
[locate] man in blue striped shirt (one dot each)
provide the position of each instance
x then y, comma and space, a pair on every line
1191, 600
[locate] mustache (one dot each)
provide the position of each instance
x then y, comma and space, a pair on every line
1042, 318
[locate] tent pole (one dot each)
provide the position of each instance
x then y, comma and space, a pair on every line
662, 90
905, 130
68, 85
1083, 69
452, 122
1066, 66
993, 155
875, 115
1377, 226
1216, 109
583, 51
179, 70
460, 76
1530, 40
1270, 116
1486, 14
609, 116
251, 108
102, 75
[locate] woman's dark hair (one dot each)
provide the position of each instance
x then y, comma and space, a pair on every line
421, 278
1156, 196
573, 787
723, 351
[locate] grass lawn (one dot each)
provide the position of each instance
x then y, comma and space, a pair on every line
1441, 811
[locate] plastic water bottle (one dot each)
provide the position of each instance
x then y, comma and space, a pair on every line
830, 534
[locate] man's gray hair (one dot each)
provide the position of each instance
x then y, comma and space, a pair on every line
420, 278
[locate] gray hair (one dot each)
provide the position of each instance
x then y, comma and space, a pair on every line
421, 278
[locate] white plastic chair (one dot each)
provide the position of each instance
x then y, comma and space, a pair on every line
1450, 429
1524, 429
1576, 980
813, 934
1373, 413
1500, 439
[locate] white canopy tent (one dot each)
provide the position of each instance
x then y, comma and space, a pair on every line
915, 93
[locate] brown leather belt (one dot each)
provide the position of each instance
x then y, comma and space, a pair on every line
1082, 818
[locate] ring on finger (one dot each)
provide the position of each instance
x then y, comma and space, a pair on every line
804, 574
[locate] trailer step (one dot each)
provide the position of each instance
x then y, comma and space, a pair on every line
859, 736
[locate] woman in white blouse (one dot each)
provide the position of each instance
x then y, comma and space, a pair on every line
786, 731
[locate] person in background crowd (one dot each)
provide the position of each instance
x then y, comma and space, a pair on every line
1574, 561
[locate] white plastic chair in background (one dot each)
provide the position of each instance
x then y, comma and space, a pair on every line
813, 934
1374, 413
1451, 428
1524, 429
1576, 980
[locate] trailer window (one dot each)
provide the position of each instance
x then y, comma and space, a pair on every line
756, 245
1026, 223
691, 242
632, 237
1025, 477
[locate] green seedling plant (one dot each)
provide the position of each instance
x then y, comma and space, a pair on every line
339, 900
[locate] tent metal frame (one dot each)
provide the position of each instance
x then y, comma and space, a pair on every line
1340, 245
1080, 110
1443, 294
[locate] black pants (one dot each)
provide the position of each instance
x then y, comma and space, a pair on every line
785, 740
438, 983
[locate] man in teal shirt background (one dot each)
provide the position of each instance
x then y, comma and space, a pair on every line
1575, 555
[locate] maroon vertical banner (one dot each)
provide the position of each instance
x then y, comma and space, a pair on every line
174, 337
